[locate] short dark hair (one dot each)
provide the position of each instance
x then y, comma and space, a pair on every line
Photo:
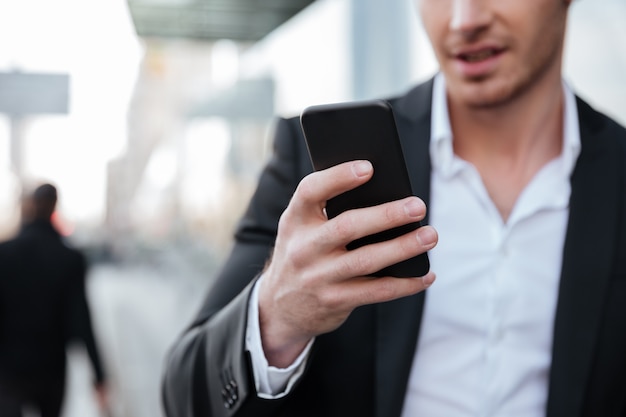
44, 200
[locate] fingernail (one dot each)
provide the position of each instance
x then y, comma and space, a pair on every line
426, 235
413, 208
428, 280
362, 168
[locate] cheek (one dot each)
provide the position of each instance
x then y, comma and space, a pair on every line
434, 14
542, 43
435, 23
540, 25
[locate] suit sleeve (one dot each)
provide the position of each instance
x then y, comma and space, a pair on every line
79, 315
207, 370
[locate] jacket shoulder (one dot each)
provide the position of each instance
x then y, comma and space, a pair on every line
596, 121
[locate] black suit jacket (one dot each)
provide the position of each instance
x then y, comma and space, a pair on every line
43, 306
362, 368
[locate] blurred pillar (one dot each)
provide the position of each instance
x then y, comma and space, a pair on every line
381, 55
16, 126
248, 101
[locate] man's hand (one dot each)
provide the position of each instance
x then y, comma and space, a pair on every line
313, 283
102, 395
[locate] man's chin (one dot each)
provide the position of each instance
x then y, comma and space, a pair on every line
482, 94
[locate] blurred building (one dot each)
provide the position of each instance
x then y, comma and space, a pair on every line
207, 93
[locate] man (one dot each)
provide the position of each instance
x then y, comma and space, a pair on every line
526, 188
43, 307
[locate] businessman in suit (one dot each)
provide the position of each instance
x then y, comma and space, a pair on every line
43, 308
525, 185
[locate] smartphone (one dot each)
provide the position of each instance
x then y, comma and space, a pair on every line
342, 132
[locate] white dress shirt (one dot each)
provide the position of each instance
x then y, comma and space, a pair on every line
486, 335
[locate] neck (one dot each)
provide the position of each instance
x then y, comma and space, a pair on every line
529, 123
511, 142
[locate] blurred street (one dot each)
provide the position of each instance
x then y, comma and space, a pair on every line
137, 312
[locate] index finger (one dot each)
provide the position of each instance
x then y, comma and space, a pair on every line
320, 186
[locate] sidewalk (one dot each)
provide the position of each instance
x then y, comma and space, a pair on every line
137, 313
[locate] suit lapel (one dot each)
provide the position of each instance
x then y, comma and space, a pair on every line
585, 274
398, 321
587, 259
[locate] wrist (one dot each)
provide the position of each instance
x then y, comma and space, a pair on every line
281, 346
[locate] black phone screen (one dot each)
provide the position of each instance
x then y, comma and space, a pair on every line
337, 133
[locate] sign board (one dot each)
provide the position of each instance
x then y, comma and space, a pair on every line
33, 93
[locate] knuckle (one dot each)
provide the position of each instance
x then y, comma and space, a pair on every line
385, 290
342, 227
329, 299
408, 245
365, 263
393, 214
356, 262
284, 221
298, 253
304, 189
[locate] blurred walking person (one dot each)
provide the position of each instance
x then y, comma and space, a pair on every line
43, 308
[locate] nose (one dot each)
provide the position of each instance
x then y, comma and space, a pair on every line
470, 17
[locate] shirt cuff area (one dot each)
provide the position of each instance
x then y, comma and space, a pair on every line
271, 382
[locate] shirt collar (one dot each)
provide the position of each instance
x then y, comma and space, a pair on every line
442, 152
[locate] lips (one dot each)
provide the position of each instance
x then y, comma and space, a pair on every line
477, 61
477, 55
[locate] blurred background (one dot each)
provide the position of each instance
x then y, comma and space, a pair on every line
154, 117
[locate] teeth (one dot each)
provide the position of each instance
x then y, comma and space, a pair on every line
478, 56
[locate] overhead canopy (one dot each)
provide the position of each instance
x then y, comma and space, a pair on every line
241, 20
